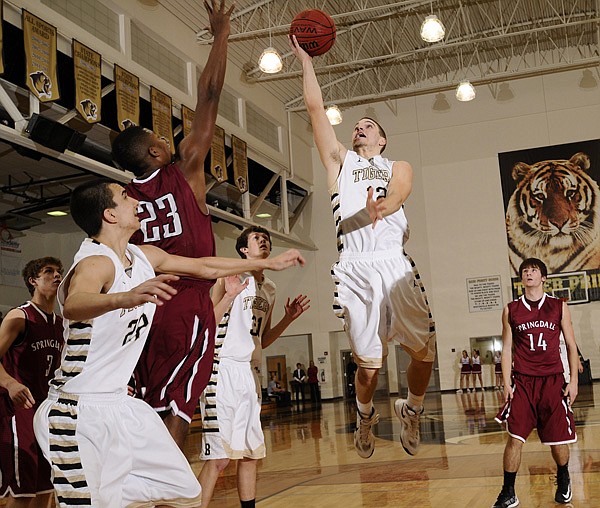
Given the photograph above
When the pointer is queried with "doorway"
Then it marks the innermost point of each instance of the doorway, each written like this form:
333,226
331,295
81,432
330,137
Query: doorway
277,365
347,359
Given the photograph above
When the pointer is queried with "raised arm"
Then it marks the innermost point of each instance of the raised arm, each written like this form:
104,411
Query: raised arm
224,292
195,146
215,267
398,190
331,151
507,341
86,290
566,327
293,310
12,327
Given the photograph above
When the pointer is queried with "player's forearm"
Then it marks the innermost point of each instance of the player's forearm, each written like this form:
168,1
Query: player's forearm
271,335
84,306
222,307
5,378
212,78
313,97
506,367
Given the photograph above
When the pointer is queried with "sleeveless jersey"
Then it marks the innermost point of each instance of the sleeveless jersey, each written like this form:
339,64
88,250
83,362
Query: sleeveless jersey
170,217
348,197
35,355
101,353
536,336
476,360
465,361
244,323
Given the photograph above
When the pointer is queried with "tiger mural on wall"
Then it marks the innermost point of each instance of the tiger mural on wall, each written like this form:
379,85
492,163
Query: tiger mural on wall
554,215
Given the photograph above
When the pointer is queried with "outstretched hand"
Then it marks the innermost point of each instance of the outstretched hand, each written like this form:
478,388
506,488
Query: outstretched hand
297,306
218,18
154,290
289,258
298,51
374,207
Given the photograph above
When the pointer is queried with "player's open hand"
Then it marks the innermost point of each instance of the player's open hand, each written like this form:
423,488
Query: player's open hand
217,16
155,290
289,258
234,286
297,306
297,50
20,395
374,207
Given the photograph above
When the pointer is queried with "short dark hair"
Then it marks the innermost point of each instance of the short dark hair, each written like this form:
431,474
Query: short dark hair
380,128
88,202
130,148
242,241
34,267
533,263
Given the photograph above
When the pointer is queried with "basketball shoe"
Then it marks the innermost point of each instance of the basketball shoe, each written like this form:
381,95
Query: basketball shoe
364,440
563,489
507,498
409,426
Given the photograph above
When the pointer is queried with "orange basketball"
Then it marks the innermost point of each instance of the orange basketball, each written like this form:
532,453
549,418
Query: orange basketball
314,31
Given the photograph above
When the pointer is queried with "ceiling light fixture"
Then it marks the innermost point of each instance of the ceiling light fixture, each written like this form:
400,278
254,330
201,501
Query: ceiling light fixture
588,81
270,61
465,91
263,215
334,115
57,213
432,29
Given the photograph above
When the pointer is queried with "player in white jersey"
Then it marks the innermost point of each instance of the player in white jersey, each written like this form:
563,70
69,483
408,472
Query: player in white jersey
379,292
230,404
107,449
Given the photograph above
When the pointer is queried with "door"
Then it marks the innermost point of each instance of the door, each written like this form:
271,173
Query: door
277,365
402,361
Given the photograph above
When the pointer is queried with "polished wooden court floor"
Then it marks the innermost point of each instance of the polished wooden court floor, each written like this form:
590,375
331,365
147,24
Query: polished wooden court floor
311,460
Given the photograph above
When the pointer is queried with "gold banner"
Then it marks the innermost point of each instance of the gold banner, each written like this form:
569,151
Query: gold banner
127,90
162,109
240,164
218,162
187,117
40,55
88,82
1,44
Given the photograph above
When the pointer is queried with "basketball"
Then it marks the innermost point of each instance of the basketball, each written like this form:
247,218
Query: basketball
314,31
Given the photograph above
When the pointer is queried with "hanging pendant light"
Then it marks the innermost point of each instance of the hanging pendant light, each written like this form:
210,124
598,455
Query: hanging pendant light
334,115
465,91
432,29
270,61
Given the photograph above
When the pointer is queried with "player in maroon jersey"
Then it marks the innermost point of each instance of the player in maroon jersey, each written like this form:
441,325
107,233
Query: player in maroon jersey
31,341
175,367
537,396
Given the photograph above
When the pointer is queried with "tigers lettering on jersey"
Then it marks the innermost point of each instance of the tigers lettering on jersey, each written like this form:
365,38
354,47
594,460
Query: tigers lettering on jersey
371,173
256,303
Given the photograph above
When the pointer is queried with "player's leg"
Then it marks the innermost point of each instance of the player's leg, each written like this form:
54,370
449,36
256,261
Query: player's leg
246,482
410,409
178,428
561,454
511,462
208,477
365,385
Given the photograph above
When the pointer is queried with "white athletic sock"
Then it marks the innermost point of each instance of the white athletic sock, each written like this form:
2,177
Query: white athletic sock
415,402
364,409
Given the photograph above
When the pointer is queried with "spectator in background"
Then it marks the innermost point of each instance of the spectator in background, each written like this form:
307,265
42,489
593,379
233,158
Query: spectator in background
313,382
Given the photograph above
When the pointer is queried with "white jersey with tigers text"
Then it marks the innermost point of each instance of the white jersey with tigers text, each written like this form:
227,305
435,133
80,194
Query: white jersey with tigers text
348,198
244,323
101,353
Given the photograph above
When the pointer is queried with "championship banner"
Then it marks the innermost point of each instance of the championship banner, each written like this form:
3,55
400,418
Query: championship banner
551,197
218,162
240,163
87,64
187,117
1,44
127,90
40,57
162,109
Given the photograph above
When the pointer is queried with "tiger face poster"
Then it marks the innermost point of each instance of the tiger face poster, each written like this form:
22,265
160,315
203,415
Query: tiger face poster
552,212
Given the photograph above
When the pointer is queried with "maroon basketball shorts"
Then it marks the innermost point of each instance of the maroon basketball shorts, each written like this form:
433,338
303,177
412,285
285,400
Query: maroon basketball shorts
538,402
25,471
176,363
